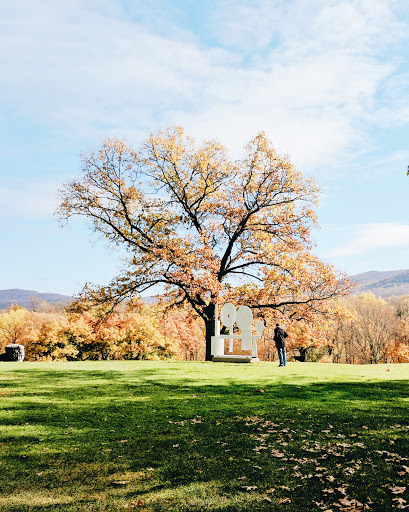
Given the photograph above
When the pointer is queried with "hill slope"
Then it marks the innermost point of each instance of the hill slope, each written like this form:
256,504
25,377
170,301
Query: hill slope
381,283
26,298
384,284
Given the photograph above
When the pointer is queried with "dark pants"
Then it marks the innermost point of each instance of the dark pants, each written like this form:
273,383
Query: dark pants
282,356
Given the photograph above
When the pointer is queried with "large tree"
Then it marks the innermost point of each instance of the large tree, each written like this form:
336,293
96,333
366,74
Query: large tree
206,227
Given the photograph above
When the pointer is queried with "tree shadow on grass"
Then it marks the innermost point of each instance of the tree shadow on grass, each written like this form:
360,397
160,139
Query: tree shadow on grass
82,432
73,401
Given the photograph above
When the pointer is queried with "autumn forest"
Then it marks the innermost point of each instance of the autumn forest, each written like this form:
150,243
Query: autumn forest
372,330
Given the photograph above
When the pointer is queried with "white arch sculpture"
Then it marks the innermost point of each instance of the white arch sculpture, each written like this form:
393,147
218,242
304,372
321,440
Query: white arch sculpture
243,317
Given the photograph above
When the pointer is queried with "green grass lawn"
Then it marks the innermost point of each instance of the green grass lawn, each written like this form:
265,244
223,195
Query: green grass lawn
175,436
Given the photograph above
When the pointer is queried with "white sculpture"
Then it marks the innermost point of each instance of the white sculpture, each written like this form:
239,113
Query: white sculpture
243,317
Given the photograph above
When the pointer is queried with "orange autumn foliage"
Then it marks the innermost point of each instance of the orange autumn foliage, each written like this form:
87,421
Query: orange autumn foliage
84,335
398,350
185,327
205,227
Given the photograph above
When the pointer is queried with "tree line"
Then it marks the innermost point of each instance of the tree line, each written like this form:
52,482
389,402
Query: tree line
78,333
363,329
377,331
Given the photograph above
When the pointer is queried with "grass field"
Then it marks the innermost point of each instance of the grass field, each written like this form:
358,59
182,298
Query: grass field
175,436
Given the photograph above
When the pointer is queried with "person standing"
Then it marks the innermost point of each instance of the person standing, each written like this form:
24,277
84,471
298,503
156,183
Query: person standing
279,338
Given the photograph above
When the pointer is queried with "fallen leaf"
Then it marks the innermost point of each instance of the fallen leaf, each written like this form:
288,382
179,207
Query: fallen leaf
276,453
120,483
248,488
342,490
134,504
352,504
397,490
284,500
401,503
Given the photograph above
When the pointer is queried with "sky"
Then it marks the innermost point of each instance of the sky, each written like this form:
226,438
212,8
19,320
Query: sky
327,80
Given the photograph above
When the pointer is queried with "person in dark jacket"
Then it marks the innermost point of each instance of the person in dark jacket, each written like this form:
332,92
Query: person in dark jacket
279,338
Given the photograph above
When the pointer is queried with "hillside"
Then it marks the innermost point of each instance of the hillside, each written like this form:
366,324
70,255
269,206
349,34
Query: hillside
27,298
384,284
381,283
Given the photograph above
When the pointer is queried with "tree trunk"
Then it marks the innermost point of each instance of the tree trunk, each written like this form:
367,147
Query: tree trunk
209,328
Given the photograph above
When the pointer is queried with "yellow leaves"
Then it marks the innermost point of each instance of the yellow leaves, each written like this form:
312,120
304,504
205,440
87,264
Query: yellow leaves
12,326
203,225
369,297
81,335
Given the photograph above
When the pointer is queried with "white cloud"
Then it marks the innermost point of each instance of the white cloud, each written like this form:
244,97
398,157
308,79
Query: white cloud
306,72
367,238
319,76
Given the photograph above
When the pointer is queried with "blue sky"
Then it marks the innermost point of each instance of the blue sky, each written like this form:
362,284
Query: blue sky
328,80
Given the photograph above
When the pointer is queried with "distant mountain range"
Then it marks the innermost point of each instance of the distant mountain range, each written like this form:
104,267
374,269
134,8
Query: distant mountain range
383,284
30,299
